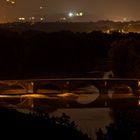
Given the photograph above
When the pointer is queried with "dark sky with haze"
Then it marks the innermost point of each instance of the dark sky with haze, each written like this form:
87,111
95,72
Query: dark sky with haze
92,9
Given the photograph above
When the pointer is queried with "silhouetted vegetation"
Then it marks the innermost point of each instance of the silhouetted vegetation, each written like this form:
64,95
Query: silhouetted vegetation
125,126
125,56
32,53
38,125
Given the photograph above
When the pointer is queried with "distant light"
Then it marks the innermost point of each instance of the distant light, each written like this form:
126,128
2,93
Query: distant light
81,13
67,94
71,14
63,18
108,31
41,7
32,83
77,14
124,19
12,2
21,18
41,19
32,18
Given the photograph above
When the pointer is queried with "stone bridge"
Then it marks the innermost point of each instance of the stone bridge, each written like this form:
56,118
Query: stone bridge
70,84
103,85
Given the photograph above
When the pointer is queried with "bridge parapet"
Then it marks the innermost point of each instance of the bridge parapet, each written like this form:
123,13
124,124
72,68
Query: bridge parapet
103,85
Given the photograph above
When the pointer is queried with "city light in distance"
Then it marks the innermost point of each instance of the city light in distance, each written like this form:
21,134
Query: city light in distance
40,7
75,14
21,19
41,19
32,18
11,1
71,14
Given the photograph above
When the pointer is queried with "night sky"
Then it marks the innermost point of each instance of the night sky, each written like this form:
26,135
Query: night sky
93,9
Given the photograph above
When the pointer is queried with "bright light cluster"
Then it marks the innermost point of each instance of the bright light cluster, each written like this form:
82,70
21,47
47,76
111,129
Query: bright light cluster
41,7
11,1
21,19
75,14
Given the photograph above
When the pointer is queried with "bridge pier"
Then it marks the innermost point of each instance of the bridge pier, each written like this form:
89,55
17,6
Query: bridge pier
103,98
135,87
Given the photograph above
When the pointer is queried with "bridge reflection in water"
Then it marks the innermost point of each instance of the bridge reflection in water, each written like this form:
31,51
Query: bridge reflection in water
69,93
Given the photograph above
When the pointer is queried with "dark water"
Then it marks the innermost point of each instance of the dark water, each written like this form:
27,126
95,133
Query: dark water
88,120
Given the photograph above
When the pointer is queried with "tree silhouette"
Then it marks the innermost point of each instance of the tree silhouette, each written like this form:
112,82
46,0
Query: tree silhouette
125,56
38,125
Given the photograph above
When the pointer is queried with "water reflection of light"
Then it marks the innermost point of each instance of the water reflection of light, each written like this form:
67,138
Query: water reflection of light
10,96
64,95
14,91
82,98
120,92
34,96
117,95
67,95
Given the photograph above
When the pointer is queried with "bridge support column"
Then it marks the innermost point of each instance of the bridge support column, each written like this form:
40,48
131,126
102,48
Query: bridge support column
30,87
103,99
135,87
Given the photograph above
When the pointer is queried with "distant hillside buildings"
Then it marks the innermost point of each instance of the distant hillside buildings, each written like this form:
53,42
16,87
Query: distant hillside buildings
104,26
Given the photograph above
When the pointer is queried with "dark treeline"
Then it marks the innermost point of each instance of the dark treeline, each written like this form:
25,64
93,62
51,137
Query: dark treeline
34,53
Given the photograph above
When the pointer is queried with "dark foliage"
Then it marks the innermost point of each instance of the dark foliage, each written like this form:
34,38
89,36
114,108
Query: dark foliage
125,56
125,126
32,53
37,126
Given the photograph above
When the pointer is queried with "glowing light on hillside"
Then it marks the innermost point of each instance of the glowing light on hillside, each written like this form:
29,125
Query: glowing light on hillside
40,7
21,19
11,1
75,14
32,18
41,19
71,14
81,14
124,19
